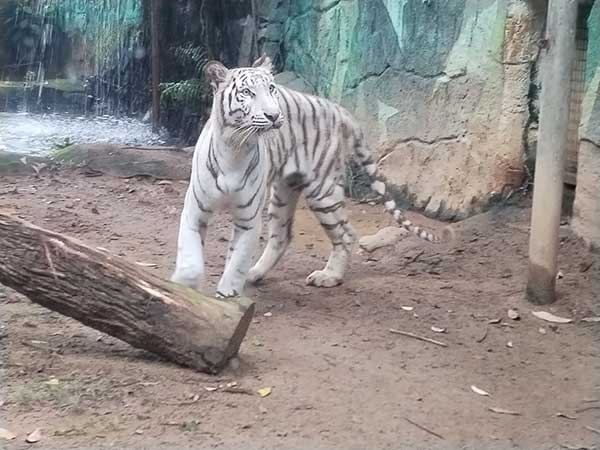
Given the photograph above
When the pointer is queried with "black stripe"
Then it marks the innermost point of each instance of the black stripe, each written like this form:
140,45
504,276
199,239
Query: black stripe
333,226
251,200
251,167
276,201
328,209
222,103
292,135
211,168
324,177
199,202
229,97
253,216
242,227
304,136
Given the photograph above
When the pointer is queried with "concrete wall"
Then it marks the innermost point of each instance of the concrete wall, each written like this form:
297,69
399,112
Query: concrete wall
586,210
440,86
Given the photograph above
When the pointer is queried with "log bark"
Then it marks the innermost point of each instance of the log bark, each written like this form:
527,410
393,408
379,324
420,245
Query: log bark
110,295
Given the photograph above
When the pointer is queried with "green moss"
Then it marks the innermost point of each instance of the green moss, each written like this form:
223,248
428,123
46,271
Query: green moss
63,85
593,52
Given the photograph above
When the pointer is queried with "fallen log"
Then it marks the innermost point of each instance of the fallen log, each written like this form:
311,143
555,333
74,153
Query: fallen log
110,295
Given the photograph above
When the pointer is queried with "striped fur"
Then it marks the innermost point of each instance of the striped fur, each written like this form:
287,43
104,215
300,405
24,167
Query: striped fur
261,137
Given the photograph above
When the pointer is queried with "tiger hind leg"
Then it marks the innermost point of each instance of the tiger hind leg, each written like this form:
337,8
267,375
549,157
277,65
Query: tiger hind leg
329,207
281,216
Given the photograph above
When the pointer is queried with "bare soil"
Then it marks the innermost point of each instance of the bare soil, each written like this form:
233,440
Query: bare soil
338,377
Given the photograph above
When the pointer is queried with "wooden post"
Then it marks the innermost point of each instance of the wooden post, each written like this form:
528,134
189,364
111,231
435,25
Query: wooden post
557,67
155,38
106,293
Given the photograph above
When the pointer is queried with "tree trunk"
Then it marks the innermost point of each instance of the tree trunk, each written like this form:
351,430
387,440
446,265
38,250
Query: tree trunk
155,57
106,293
553,136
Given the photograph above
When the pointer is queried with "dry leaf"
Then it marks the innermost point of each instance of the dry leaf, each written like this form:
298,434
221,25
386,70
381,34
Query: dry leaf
38,167
164,182
437,329
548,317
513,314
268,314
504,411
591,319
144,264
210,388
34,436
7,435
407,308
264,392
479,391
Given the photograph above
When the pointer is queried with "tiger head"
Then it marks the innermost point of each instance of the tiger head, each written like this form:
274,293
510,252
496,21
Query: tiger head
245,99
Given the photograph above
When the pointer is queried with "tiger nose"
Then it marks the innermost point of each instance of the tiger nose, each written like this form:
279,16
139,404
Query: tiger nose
272,117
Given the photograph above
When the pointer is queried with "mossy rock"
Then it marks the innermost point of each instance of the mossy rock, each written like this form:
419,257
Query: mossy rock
18,164
126,162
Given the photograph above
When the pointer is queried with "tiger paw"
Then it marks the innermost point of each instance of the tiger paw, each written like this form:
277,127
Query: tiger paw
323,278
255,276
227,294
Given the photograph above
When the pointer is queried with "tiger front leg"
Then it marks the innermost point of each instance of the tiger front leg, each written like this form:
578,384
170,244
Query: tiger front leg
189,266
281,216
244,245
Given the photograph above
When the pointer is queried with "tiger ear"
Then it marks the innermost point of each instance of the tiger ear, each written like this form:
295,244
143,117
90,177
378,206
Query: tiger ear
264,62
216,73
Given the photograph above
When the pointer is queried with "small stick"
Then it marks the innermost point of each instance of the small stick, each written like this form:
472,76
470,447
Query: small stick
421,427
587,408
420,338
595,430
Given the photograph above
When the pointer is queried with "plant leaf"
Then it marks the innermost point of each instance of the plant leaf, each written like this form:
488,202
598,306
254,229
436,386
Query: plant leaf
34,436
591,319
548,317
504,411
264,392
6,434
479,391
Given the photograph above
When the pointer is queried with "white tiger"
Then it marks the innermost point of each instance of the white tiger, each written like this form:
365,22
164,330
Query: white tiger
260,136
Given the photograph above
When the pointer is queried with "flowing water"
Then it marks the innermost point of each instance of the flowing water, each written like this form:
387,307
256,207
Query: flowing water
41,133
96,45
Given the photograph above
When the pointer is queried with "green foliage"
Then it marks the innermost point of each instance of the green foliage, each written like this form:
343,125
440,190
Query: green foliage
190,56
187,92
182,93
22,24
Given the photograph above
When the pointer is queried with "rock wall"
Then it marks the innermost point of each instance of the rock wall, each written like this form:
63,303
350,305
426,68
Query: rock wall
586,210
441,87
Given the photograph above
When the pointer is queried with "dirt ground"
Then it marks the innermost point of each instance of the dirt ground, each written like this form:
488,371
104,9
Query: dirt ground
339,378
